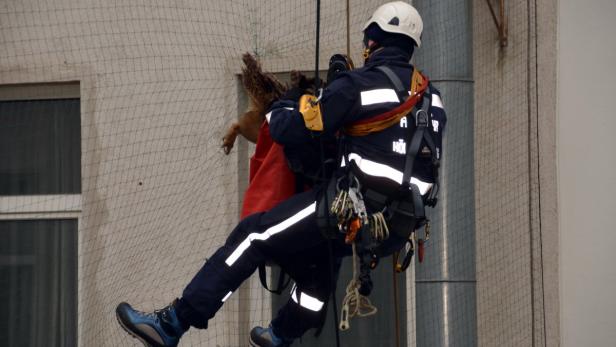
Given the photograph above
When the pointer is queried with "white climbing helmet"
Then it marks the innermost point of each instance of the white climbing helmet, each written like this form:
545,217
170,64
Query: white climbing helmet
400,18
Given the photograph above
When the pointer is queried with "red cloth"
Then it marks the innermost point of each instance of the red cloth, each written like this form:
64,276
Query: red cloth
271,180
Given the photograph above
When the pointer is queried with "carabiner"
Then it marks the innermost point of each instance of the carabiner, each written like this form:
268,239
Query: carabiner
318,99
408,256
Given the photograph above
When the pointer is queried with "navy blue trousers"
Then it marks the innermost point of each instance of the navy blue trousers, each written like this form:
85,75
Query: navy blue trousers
286,235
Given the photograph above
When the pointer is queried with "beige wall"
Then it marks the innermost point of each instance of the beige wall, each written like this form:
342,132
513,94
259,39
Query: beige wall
587,171
157,89
515,191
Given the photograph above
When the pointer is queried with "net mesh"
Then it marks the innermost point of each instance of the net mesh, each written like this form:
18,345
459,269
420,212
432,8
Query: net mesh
159,86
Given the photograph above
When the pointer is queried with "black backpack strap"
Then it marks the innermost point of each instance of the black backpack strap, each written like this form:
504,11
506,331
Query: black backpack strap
402,92
431,199
422,136
281,281
412,149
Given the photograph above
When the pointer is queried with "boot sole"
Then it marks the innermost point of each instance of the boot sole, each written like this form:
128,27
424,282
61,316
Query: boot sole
252,343
141,339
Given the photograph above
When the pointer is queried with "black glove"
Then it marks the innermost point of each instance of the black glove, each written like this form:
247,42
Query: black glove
338,64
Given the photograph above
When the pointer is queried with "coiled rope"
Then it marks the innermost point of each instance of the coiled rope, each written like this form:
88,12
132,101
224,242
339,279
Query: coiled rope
354,304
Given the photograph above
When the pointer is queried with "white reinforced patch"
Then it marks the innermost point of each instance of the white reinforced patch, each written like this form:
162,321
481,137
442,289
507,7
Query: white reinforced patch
271,231
307,301
436,101
378,96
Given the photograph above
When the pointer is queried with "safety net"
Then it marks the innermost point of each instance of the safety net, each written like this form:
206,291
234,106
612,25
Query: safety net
114,186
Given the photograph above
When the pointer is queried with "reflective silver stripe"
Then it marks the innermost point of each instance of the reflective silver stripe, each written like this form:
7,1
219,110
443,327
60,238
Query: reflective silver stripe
436,101
271,231
373,168
269,114
306,301
227,296
378,96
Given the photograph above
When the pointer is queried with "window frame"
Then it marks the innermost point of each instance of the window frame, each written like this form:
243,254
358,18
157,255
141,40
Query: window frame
48,206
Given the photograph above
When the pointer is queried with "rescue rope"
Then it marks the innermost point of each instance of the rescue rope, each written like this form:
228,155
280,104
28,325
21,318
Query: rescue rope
396,313
317,82
329,242
379,228
348,30
354,304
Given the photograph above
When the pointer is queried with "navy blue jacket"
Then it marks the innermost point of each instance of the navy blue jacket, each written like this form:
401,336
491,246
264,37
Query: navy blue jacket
361,94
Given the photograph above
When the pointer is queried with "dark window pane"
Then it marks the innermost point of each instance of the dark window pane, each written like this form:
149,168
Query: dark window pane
40,147
38,283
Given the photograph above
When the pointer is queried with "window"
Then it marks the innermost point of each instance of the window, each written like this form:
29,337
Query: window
40,203
38,282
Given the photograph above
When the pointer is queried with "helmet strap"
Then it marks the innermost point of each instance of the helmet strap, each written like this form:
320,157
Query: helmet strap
368,51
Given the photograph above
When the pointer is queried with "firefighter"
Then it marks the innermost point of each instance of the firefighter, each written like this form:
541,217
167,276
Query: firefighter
389,122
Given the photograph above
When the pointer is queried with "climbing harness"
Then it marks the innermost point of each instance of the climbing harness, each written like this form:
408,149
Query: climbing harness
401,213
282,283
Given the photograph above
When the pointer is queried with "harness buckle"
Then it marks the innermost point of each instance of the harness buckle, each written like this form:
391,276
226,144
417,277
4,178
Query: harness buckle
421,118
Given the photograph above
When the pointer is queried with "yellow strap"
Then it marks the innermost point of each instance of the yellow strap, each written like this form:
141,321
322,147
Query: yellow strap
368,128
417,80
